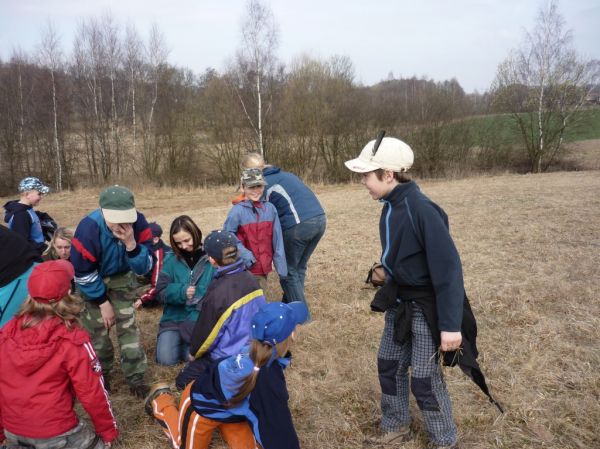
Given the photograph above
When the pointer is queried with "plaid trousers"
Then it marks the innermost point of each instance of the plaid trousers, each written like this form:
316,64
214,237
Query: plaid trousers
426,380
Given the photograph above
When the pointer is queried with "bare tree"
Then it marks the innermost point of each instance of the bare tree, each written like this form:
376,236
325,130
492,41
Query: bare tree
134,49
112,52
157,53
256,60
543,84
51,57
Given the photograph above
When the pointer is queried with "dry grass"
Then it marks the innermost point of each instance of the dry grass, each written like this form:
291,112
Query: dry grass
530,246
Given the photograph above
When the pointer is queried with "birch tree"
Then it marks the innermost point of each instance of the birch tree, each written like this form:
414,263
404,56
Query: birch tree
134,49
51,58
256,59
543,84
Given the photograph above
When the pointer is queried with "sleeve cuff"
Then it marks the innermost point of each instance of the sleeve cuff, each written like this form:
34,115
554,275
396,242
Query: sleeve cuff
131,254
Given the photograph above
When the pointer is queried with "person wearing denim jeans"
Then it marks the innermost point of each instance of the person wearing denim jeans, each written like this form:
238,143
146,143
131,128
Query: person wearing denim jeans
303,223
171,348
300,242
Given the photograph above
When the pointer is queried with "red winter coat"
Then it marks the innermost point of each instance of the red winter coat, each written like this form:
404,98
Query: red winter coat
42,370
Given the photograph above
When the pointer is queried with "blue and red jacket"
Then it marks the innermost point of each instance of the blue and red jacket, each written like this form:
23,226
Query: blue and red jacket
257,227
96,253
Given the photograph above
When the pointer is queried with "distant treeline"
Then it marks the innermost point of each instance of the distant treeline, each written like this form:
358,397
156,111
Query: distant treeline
116,110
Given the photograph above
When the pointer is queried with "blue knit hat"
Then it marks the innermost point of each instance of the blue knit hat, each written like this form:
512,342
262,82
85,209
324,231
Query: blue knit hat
275,321
156,229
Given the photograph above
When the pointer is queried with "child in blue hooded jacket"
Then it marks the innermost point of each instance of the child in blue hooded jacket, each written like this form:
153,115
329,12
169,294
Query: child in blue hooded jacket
245,388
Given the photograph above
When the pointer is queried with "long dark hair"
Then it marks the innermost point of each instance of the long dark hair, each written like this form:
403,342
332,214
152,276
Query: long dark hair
185,223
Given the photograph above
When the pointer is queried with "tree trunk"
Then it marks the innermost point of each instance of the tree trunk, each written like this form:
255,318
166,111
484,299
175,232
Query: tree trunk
56,146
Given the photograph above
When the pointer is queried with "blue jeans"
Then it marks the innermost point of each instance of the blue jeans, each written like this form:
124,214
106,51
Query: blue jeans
300,242
170,348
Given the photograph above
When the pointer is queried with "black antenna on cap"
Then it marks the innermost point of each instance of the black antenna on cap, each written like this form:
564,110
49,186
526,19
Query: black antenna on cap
378,141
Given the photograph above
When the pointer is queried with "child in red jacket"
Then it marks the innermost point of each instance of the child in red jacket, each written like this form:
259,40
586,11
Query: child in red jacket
46,360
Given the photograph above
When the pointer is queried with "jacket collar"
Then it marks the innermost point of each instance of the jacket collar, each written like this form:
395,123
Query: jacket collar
271,170
400,192
233,268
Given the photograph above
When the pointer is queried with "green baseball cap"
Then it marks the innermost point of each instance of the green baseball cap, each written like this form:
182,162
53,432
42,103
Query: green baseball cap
118,205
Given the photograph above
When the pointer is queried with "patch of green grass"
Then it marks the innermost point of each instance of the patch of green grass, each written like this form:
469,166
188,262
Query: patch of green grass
586,125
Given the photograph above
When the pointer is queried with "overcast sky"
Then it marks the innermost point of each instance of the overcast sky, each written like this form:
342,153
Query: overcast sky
440,39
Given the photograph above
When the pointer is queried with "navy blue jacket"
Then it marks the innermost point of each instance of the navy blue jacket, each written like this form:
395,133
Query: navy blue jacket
294,201
22,219
418,250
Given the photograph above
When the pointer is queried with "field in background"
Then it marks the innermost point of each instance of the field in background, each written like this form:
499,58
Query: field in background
587,127
530,245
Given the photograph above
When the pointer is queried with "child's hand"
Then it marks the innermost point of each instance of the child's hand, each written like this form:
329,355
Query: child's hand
190,292
450,340
137,304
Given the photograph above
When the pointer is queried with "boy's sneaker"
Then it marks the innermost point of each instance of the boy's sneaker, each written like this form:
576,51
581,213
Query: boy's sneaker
393,439
155,391
138,386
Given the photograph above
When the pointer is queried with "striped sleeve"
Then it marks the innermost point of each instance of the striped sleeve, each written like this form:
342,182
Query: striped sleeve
85,373
85,253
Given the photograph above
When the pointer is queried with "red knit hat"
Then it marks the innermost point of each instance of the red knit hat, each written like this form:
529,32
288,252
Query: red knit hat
50,281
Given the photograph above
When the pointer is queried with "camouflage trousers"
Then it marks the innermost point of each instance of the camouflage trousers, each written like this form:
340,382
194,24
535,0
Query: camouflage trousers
80,437
121,294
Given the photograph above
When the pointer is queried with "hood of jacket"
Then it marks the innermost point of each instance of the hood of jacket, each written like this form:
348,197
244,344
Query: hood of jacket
12,207
29,349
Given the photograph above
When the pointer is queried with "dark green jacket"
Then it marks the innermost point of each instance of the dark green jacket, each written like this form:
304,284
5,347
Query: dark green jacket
173,280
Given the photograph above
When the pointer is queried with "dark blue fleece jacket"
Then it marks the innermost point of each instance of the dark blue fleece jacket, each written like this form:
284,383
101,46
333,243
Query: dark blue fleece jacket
418,250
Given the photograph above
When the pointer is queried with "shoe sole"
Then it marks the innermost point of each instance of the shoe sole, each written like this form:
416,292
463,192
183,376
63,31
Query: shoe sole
154,389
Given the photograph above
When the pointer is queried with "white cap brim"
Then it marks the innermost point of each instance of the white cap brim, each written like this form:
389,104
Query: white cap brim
360,166
120,216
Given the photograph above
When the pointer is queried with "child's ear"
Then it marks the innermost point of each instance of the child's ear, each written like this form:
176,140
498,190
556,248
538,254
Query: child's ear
213,262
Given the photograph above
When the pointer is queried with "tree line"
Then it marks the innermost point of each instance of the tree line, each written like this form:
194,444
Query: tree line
115,109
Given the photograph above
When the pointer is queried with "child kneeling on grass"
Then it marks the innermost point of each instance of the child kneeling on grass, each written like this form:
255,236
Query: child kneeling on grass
46,361
244,395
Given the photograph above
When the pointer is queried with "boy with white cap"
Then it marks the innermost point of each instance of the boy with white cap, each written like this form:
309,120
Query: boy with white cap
424,271
112,245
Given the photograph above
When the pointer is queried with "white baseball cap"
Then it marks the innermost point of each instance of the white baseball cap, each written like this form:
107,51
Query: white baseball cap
392,154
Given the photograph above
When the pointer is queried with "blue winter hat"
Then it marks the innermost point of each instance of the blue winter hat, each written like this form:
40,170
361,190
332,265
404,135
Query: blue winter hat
155,229
275,321
31,183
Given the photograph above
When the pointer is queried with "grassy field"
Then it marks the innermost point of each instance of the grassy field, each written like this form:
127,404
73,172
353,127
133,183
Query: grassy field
587,126
530,246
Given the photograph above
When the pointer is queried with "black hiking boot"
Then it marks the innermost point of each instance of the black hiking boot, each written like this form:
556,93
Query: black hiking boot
138,386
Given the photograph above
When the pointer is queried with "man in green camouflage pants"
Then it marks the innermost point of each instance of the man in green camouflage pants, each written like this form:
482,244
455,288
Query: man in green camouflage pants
112,245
